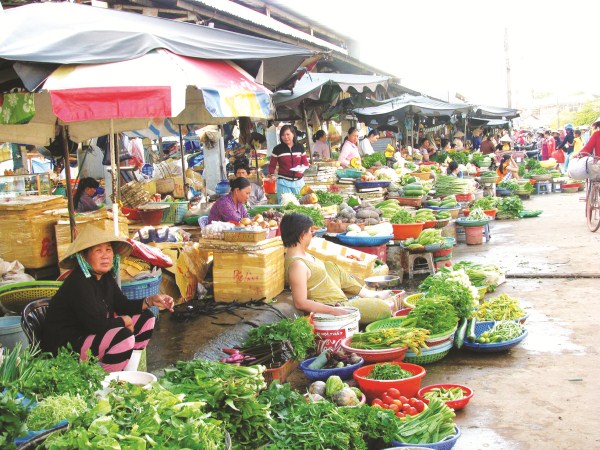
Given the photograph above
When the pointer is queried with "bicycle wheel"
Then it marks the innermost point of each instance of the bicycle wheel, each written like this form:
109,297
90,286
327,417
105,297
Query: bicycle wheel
592,207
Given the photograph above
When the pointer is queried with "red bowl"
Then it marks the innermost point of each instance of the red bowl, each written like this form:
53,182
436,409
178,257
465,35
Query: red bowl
131,214
569,185
454,404
375,356
374,388
402,312
429,224
407,230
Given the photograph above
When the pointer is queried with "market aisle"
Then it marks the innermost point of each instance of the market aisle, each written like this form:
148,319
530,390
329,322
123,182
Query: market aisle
539,395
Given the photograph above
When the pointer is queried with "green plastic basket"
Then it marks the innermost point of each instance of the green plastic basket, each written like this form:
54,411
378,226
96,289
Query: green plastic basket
428,356
392,322
15,296
349,173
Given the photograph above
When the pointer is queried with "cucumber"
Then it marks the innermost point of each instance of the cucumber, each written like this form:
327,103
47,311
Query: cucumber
459,338
433,203
319,361
409,241
471,330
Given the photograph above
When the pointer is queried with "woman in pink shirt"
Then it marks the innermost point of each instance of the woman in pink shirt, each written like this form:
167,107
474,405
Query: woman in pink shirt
349,149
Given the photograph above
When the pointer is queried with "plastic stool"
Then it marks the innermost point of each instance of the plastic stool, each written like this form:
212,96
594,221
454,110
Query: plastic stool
543,187
426,267
556,187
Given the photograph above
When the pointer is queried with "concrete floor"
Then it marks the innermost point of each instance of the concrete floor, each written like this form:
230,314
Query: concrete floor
540,395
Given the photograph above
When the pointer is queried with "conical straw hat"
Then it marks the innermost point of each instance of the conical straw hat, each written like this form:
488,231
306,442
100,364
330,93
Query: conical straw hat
89,236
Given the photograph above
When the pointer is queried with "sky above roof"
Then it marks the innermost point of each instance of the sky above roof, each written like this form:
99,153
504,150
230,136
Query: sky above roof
447,47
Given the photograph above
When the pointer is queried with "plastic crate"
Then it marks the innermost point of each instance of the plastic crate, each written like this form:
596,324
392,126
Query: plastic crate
175,212
136,290
322,374
280,373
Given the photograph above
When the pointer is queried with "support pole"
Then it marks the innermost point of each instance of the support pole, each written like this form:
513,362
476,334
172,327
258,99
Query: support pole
182,151
308,135
70,205
115,175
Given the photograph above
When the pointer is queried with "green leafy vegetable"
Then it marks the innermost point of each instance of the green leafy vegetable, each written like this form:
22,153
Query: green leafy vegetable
329,198
402,216
435,314
313,213
485,203
370,160
511,206
459,157
462,298
432,425
12,419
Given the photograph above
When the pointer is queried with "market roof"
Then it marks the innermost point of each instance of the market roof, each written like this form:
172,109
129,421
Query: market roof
68,33
314,86
493,112
397,107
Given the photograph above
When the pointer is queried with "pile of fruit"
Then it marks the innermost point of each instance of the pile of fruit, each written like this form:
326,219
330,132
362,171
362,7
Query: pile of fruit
426,237
258,222
425,215
402,406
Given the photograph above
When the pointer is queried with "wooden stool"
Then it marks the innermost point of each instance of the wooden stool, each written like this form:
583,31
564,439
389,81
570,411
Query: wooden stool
543,187
423,267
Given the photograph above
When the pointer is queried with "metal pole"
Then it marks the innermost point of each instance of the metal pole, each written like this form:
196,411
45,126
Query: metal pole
307,133
115,175
182,150
70,206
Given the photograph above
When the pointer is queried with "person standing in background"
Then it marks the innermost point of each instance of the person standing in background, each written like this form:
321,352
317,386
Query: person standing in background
320,148
86,189
567,144
288,155
487,146
458,143
349,148
366,145
577,142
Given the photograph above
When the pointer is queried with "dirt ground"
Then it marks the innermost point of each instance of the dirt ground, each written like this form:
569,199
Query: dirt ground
540,395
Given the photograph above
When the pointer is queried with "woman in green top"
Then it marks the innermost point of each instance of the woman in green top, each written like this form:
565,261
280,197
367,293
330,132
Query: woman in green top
316,286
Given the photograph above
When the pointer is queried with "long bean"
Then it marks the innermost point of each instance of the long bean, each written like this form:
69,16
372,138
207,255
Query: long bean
501,331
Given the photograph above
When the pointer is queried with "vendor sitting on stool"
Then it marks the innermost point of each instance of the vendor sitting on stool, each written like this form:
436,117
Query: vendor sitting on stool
230,207
317,286
90,313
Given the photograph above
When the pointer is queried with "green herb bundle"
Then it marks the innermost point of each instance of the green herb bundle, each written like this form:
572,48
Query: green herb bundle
314,213
435,314
459,157
63,374
54,409
459,295
387,371
485,203
432,425
511,206
370,160
298,332
402,216
230,393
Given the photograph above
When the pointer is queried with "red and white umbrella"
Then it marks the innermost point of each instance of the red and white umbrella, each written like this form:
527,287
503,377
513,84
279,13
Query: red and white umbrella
159,84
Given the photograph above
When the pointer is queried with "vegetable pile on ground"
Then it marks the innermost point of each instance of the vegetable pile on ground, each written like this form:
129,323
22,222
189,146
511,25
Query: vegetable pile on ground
485,203
336,391
510,207
432,425
447,185
454,285
413,338
502,307
488,275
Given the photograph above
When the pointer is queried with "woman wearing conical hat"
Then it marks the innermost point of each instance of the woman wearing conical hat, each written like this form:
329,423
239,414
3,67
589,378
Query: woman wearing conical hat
90,313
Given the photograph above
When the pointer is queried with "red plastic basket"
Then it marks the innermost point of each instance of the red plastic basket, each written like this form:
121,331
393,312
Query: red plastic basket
280,373
407,230
454,404
374,388
464,197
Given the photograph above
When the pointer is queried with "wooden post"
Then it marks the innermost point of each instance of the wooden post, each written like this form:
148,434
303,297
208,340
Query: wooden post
70,206
182,151
308,144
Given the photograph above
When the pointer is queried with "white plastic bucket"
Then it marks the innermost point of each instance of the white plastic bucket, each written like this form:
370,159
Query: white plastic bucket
332,330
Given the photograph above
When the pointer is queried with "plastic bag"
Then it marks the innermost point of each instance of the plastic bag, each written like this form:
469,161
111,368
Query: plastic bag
150,254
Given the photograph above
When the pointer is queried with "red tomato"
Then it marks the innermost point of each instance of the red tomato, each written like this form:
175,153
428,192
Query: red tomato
376,405
419,406
406,407
400,414
376,401
393,392
412,411
384,406
411,401
394,407
387,399
399,403
403,399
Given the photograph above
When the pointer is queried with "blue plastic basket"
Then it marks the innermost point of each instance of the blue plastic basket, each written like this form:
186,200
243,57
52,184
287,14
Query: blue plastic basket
137,290
492,347
320,233
349,173
364,241
446,444
147,169
322,374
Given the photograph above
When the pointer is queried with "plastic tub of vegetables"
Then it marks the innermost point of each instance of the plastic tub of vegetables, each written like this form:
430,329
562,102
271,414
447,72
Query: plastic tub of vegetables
492,337
330,363
455,396
375,379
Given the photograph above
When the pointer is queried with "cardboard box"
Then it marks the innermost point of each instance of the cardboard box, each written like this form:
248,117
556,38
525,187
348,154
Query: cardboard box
357,263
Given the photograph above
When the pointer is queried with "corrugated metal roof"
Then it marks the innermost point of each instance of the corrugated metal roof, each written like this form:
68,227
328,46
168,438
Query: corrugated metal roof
249,15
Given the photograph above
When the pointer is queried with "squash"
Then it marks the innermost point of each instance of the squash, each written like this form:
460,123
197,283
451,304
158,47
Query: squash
371,309
355,162
306,189
309,199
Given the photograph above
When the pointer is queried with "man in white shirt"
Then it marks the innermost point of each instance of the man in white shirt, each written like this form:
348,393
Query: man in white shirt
257,194
366,145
